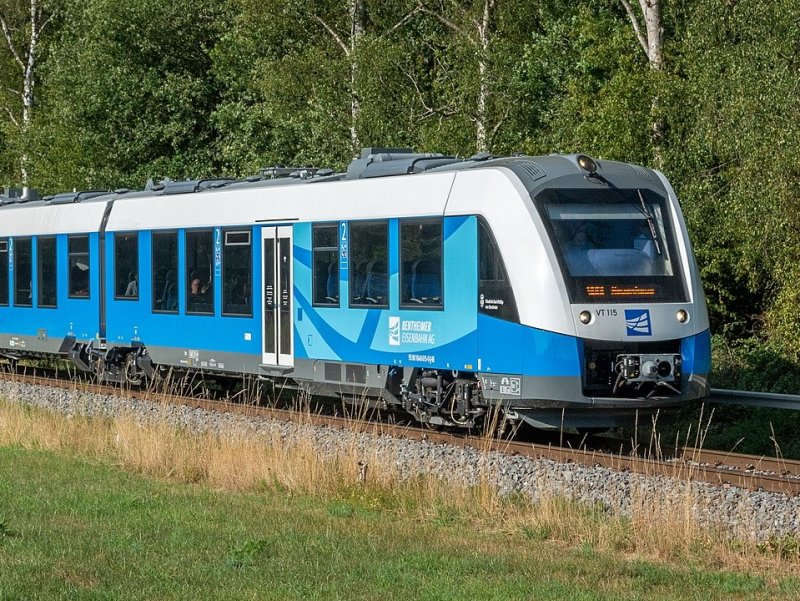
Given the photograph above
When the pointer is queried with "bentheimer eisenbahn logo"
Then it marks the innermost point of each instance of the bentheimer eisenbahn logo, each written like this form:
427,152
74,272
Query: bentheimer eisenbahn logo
394,331
637,322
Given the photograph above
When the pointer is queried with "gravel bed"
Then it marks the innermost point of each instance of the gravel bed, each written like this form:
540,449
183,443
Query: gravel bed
742,514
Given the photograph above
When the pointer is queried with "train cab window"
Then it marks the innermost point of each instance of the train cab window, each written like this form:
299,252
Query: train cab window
46,262
613,244
165,272
78,247
237,287
495,296
326,265
23,273
369,264
421,264
199,272
126,266
3,273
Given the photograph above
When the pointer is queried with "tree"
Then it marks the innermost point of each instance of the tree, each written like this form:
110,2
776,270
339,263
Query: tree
652,38
310,82
130,94
23,24
477,28
349,41
738,124
468,83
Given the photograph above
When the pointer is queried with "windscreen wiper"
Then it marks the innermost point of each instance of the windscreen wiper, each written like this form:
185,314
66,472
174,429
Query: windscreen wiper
651,223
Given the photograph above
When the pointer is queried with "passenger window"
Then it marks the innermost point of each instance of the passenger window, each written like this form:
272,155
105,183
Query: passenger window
199,272
421,264
495,296
46,259
369,264
23,270
126,266
78,266
4,273
237,289
326,265
165,272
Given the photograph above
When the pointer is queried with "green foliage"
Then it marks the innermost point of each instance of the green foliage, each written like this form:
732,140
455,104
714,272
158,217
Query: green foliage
756,366
736,164
785,547
6,531
129,94
247,553
600,90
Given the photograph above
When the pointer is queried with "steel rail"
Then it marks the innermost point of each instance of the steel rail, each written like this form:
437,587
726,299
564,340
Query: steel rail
700,465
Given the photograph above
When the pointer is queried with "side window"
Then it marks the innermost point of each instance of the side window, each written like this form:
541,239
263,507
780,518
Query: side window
421,264
369,264
165,272
199,272
237,287
4,272
46,259
78,247
23,273
326,264
495,296
126,266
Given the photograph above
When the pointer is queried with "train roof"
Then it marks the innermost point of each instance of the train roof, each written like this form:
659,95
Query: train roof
84,210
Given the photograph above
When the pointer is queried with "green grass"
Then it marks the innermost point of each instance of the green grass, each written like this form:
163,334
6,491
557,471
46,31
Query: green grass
75,529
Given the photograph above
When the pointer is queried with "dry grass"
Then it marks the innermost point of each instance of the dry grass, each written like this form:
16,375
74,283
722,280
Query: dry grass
661,527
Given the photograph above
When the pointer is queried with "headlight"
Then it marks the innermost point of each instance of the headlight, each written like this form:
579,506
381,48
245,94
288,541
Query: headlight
586,163
682,316
585,317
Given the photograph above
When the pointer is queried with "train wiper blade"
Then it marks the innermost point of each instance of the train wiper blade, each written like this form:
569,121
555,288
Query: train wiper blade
651,223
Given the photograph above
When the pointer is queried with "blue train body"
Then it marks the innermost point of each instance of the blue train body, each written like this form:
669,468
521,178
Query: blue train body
560,287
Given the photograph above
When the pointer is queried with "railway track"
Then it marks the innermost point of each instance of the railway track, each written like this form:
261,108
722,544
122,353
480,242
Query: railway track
701,465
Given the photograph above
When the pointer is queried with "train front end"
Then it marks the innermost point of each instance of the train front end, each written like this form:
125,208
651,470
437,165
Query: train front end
632,297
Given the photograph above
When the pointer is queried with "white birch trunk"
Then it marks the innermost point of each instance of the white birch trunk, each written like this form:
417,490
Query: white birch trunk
27,66
651,9
652,42
358,26
652,38
484,39
480,38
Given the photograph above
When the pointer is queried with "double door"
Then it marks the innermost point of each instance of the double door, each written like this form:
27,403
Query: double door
277,298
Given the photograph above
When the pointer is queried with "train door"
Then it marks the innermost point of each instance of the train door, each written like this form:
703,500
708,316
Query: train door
277,297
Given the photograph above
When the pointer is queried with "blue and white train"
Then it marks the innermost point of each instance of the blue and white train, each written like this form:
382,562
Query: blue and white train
562,289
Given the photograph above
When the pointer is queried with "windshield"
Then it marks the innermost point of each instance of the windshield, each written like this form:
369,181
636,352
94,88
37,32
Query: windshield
613,243
617,241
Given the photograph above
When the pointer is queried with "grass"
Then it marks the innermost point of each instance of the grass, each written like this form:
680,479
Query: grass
84,530
99,509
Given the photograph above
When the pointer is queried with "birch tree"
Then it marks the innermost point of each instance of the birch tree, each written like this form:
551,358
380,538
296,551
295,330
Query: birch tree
314,81
23,24
651,36
348,41
129,94
477,28
649,30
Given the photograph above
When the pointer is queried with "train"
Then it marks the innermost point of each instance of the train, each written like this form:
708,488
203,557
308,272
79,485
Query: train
561,290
